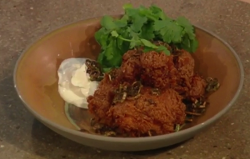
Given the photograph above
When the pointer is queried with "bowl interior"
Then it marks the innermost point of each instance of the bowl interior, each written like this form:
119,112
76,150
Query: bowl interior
36,71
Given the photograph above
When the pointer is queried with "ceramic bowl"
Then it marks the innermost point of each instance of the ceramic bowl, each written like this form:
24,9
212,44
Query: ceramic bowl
35,79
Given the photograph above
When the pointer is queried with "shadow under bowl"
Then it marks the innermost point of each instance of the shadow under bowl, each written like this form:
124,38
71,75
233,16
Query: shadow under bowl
35,79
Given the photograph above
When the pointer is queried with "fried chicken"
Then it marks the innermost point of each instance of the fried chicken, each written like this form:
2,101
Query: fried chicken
147,114
158,70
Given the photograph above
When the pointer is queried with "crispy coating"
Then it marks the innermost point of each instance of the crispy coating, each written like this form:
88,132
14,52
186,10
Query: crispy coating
197,89
184,63
158,70
130,67
100,102
190,85
149,114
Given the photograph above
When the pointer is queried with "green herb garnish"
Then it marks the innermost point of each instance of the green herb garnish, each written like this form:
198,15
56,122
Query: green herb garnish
179,127
139,27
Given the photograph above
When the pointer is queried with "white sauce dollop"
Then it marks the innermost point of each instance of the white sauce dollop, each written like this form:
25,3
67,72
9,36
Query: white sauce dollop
74,85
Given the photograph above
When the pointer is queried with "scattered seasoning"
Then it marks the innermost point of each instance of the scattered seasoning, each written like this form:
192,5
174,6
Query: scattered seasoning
198,107
95,125
155,91
212,84
120,94
94,70
195,109
188,120
134,90
127,92
110,77
101,129
149,133
178,127
192,113
110,133
112,74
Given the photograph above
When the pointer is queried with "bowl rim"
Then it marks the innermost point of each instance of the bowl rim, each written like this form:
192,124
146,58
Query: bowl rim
128,139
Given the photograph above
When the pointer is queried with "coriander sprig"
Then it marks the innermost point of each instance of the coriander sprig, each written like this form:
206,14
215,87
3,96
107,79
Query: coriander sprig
139,27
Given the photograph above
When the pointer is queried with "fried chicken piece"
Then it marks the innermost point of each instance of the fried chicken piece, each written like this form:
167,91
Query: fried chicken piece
184,63
131,54
198,86
131,66
148,115
100,102
158,70
191,86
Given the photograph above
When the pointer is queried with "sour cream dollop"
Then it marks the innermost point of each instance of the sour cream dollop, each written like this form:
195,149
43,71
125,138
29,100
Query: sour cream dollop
74,85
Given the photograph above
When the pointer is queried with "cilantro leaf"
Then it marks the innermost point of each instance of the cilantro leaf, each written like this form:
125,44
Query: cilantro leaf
147,49
188,28
110,50
100,58
121,23
185,43
153,13
136,18
108,22
135,42
159,49
194,45
147,31
163,49
102,37
169,31
160,24
112,55
189,45
107,69
148,44
114,33
139,27
157,12
121,44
